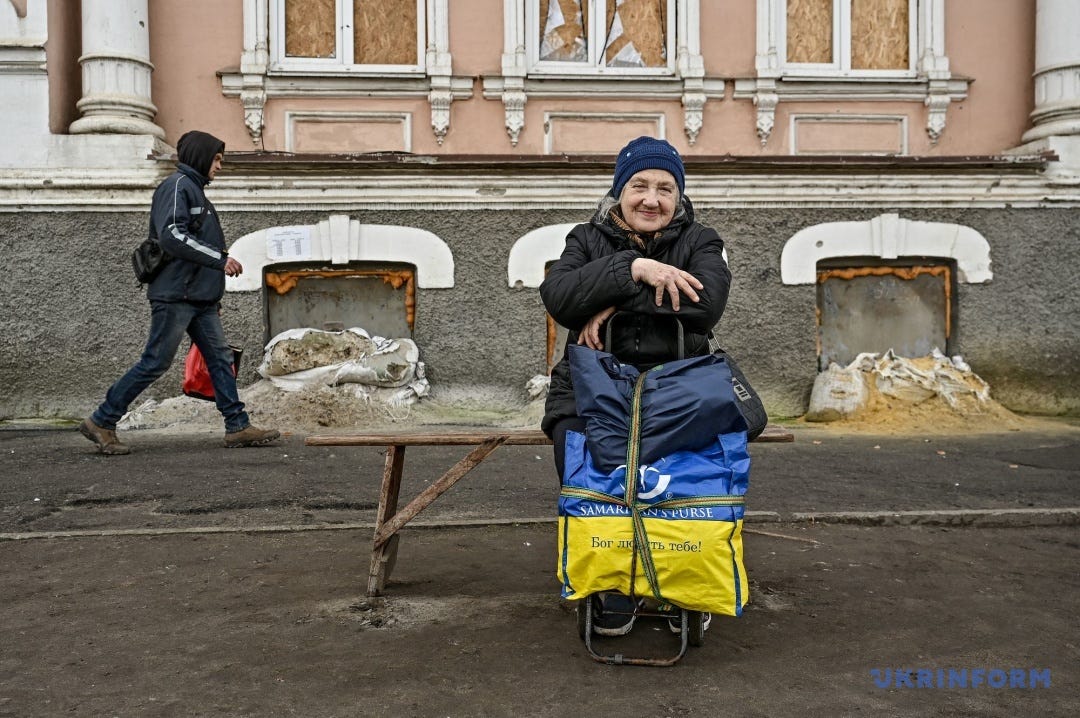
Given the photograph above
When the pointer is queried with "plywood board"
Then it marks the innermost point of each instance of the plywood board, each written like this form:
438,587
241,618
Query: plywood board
879,34
563,30
643,29
810,31
310,28
384,32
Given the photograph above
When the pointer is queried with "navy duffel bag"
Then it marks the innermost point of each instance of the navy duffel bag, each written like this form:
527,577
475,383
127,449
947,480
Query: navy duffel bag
685,404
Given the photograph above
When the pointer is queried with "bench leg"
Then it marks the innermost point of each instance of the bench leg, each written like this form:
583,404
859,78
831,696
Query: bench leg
390,526
383,553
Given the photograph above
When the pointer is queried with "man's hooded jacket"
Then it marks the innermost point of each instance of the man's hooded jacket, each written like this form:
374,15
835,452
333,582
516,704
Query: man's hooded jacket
187,227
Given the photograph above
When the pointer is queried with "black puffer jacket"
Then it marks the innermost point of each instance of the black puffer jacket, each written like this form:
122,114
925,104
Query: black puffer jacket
593,274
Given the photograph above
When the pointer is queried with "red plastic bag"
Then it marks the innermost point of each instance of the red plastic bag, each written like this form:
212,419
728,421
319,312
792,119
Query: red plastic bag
197,377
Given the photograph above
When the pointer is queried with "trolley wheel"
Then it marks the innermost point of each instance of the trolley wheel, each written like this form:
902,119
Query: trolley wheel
583,607
695,628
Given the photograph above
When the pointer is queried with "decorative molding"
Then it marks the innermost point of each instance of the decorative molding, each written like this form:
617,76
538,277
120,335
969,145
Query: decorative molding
765,101
254,61
514,108
404,119
125,189
532,252
693,115
341,240
440,100
691,68
888,237
658,118
685,82
257,80
931,82
899,121
936,103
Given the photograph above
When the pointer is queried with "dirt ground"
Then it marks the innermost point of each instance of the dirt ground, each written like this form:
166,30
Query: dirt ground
269,618
260,625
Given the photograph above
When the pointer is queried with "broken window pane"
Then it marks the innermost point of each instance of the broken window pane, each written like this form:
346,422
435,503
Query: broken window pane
384,32
563,30
879,34
810,31
310,28
636,33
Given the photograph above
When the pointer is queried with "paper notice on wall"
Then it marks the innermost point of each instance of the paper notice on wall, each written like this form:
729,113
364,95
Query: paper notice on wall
288,243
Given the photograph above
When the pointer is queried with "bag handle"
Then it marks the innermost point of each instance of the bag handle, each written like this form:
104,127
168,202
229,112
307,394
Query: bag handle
641,537
679,332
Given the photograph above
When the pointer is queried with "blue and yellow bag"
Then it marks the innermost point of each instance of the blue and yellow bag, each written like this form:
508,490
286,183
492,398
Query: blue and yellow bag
666,525
674,534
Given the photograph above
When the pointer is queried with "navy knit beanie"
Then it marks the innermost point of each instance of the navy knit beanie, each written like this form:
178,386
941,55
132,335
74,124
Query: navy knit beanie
647,153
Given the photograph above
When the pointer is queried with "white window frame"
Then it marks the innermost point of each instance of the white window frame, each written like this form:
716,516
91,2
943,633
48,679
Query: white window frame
281,64
596,40
841,43
929,80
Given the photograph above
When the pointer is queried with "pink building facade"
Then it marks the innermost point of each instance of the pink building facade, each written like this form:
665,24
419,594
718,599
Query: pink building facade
458,140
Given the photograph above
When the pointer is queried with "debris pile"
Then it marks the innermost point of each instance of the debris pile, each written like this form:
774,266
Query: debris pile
300,359
313,378
887,391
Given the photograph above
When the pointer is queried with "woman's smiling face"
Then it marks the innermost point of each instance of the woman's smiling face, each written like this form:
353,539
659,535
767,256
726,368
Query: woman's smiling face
648,200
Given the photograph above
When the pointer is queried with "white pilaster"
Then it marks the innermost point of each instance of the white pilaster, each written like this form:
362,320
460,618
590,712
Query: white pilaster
439,67
253,64
116,70
691,67
513,68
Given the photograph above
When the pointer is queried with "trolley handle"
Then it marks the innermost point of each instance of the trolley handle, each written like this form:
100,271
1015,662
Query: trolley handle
680,334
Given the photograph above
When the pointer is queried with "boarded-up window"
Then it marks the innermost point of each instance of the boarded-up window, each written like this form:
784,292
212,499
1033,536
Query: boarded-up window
384,32
810,31
603,33
879,34
849,34
334,33
636,34
563,31
310,28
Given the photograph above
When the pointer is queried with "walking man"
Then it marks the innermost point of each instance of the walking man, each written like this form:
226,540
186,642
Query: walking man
184,297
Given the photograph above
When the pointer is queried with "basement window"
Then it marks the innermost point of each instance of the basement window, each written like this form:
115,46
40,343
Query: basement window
870,306
381,299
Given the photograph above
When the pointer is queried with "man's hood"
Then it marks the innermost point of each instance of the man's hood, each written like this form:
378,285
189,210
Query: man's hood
197,149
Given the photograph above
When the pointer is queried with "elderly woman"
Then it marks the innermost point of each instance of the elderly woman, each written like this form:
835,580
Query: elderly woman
643,254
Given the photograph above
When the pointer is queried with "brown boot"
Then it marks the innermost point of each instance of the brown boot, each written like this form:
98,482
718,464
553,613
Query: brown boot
250,436
106,440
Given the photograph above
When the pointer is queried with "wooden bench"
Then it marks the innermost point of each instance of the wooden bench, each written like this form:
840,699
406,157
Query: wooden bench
389,520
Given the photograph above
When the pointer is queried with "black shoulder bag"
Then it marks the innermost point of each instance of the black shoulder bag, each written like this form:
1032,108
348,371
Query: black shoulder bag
148,260
750,405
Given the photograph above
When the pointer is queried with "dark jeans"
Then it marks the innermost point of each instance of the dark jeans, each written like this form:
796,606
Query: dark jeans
168,323
558,438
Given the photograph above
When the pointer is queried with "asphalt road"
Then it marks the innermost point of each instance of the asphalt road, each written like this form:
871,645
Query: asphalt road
202,612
